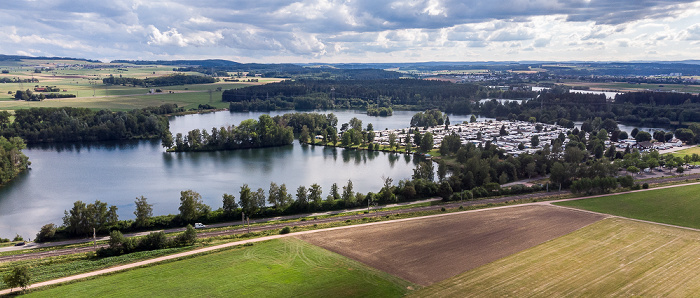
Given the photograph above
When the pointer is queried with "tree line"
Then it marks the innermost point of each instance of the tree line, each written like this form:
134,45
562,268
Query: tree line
412,94
169,80
250,133
28,95
46,125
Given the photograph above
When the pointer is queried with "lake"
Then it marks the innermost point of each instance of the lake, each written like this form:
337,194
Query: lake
118,172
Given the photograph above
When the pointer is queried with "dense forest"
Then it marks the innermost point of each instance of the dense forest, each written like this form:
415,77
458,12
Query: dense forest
12,160
170,80
251,133
45,125
552,106
324,94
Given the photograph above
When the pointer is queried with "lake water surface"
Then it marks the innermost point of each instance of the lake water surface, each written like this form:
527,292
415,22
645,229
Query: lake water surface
118,172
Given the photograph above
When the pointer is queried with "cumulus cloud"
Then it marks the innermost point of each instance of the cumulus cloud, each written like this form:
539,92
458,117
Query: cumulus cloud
312,29
691,33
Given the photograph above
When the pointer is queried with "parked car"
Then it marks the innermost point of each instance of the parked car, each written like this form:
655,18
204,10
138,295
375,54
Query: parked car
199,225
20,243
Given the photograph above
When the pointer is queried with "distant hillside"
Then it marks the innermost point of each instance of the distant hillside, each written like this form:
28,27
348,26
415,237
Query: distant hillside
18,58
202,63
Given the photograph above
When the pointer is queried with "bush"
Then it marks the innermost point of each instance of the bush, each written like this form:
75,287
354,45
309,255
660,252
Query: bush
18,238
153,241
188,237
636,187
479,192
442,209
47,233
645,185
285,230
626,181
18,277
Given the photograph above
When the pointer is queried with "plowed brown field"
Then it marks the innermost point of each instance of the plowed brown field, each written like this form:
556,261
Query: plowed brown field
428,250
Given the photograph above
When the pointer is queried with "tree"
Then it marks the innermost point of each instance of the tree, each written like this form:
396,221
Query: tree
472,119
602,135
623,135
450,144
558,173
248,204
302,198
386,194
426,142
642,136
315,193
356,124
75,220
230,205
82,218
46,233
535,141
19,277
284,197
273,198
442,170
392,141
348,193
143,212
191,206
304,135
424,170
634,132
370,135
503,131
685,135
258,198
167,140
445,190
531,169
4,118
334,195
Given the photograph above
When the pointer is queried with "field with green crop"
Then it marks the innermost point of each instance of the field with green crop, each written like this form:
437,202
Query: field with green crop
623,86
277,268
86,84
677,206
613,257
689,151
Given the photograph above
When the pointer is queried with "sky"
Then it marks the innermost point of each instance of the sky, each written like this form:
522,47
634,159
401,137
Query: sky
353,31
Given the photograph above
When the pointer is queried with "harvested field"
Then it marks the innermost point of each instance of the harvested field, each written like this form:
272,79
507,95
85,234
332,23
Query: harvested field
612,258
425,251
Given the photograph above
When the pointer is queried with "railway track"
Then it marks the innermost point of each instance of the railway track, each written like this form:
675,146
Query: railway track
275,226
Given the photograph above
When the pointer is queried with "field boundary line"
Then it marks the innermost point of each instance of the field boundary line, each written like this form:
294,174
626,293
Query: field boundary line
226,245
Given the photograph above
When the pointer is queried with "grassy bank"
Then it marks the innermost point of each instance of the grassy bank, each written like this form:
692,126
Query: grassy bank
277,268
676,206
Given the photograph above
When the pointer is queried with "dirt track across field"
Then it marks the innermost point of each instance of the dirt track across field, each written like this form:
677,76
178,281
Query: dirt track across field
433,249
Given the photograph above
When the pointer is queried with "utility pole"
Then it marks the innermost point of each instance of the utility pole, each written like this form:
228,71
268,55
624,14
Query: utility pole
94,238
